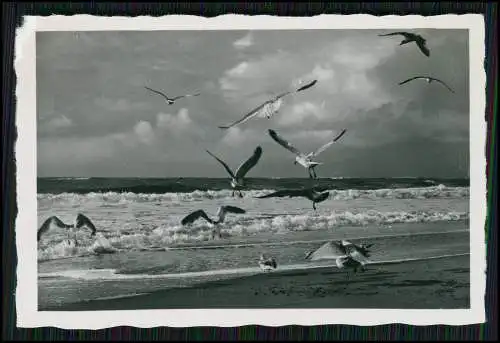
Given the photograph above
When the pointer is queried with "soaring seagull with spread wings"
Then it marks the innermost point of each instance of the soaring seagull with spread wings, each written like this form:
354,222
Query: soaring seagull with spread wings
305,160
268,108
237,179
221,216
429,79
345,253
412,37
171,101
309,193
80,222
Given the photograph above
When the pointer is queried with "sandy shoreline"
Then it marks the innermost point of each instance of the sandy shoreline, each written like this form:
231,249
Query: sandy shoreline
426,284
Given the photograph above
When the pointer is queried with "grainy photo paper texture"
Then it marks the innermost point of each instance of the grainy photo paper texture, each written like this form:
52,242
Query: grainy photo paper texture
187,171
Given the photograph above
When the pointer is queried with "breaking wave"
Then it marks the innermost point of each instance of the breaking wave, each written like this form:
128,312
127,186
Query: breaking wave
433,192
171,232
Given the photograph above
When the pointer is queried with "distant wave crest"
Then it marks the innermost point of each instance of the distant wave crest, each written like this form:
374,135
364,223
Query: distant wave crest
439,191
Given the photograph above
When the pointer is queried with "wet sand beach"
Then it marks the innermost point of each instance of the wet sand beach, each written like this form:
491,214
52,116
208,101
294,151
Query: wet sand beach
425,284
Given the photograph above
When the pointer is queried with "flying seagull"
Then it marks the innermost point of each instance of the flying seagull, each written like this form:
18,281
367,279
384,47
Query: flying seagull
268,108
309,193
345,253
80,221
267,263
428,79
303,159
50,223
237,179
221,215
171,101
411,37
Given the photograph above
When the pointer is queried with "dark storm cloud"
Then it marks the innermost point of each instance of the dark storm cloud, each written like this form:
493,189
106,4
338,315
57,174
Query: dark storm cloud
95,117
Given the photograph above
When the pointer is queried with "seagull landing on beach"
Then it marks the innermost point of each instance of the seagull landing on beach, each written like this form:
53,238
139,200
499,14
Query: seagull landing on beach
309,193
412,37
267,263
346,254
428,79
305,160
221,215
268,108
171,101
237,179
80,222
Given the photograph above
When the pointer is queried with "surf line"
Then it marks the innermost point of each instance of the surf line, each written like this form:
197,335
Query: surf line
245,245
110,274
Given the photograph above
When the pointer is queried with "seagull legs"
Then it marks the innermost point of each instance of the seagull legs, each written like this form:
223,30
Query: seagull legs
240,194
314,205
314,173
310,174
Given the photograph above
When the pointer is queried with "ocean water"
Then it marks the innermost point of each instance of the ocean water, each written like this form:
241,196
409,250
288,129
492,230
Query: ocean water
145,248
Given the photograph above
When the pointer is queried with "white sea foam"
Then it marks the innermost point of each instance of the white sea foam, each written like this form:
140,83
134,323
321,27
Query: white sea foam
438,192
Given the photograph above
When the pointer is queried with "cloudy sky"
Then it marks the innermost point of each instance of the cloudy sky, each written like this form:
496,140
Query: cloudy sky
95,118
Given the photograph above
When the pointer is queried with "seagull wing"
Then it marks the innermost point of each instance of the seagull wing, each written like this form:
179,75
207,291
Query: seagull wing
327,145
194,216
406,34
423,47
309,85
444,84
411,79
47,224
285,193
233,209
281,141
230,172
327,251
247,116
359,256
185,96
82,221
245,167
158,92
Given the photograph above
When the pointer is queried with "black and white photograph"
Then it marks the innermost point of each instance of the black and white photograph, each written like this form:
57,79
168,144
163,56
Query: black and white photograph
330,166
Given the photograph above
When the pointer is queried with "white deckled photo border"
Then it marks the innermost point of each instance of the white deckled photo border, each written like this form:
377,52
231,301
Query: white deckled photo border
28,315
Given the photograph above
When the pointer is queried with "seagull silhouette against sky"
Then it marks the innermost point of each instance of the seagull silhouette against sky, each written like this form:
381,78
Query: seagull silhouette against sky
268,108
428,79
305,160
412,37
237,179
171,101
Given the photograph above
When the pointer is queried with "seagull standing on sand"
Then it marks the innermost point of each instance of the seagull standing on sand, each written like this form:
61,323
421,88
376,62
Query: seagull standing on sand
309,193
221,216
305,160
237,179
412,37
267,263
346,254
428,79
268,108
171,101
